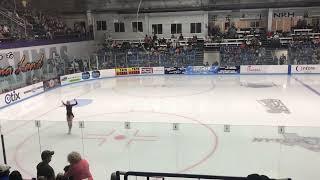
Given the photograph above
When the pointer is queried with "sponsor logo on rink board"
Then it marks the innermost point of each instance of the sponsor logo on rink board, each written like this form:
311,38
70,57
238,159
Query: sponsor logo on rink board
20,94
299,69
146,70
72,78
264,69
158,70
174,70
52,83
127,71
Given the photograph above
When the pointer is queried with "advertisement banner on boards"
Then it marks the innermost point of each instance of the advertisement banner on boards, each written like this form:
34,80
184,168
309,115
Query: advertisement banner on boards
71,78
229,70
264,69
121,71
89,75
78,77
127,71
51,83
192,70
158,70
146,70
107,73
20,94
174,70
134,70
305,69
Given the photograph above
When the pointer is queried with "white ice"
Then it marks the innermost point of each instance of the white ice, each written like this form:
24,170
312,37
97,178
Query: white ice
202,105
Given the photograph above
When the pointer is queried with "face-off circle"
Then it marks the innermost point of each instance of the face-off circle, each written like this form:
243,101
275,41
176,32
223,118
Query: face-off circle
142,140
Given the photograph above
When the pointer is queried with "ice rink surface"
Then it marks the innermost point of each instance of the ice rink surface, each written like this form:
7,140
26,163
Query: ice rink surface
201,106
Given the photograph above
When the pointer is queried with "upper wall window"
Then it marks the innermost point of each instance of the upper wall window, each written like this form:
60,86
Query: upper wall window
119,27
156,28
101,25
195,27
254,24
176,28
135,28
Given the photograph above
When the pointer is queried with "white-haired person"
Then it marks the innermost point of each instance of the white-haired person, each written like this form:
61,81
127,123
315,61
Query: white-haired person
79,168
70,115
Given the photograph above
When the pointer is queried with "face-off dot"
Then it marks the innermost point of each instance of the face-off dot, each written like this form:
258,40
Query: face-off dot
120,137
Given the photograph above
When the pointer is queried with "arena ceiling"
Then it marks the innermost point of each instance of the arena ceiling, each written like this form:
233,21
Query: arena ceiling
130,6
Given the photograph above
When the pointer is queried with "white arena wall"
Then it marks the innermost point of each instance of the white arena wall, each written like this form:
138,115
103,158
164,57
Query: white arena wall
166,19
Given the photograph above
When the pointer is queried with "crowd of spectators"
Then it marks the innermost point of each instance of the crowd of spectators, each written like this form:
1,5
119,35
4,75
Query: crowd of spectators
47,25
40,25
249,46
307,52
242,55
153,51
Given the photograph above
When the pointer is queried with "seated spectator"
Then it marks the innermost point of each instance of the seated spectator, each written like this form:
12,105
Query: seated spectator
163,41
43,168
15,175
154,38
66,169
4,172
181,37
5,29
79,168
61,176
194,39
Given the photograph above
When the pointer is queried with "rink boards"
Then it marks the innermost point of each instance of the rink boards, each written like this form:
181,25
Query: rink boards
21,94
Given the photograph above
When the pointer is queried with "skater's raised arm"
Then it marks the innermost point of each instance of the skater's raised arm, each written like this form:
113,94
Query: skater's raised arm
75,103
63,103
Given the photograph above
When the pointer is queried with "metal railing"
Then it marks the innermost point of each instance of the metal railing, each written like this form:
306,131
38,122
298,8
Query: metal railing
163,176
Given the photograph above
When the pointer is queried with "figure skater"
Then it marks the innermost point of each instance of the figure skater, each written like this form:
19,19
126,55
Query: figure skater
70,115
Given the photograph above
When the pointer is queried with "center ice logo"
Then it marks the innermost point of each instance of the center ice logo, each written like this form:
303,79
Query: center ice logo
274,106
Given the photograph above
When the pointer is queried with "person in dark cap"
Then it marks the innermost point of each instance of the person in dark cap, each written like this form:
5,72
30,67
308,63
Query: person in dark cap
43,168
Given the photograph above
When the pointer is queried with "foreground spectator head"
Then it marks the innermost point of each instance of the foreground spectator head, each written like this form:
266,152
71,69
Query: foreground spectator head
4,171
79,168
15,175
74,157
257,177
47,155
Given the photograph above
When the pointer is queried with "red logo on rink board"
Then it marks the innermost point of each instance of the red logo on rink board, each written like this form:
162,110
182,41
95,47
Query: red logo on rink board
254,69
146,70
